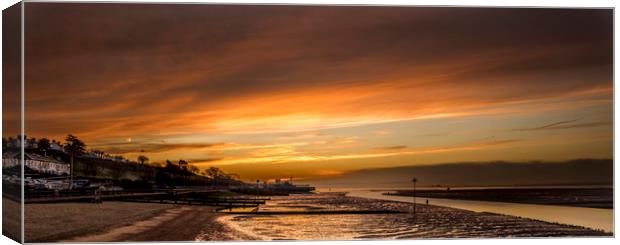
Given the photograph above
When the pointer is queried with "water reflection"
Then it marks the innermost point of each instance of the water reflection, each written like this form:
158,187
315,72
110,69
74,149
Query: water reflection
429,222
588,217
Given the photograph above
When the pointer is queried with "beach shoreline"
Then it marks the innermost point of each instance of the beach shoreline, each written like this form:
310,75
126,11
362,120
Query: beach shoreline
131,222
572,197
430,221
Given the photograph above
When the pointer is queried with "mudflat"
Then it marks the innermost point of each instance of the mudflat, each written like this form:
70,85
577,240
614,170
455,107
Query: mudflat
576,197
127,221
429,221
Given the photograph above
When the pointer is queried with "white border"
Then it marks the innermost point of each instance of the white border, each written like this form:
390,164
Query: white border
473,3
507,3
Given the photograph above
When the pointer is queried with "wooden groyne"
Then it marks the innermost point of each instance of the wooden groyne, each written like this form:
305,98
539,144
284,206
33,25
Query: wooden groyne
87,198
180,197
220,202
317,212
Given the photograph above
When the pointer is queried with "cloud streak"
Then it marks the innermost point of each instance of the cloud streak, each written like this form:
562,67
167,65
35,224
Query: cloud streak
361,68
570,124
292,158
396,147
305,85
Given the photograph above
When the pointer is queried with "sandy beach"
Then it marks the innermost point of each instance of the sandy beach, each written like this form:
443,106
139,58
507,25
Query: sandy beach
11,218
110,221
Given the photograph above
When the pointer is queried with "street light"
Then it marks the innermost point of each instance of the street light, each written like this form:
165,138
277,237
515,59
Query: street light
257,182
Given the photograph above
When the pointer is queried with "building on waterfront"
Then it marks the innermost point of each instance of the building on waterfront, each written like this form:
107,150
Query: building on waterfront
36,162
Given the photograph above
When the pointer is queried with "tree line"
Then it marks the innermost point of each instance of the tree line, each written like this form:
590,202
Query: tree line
139,172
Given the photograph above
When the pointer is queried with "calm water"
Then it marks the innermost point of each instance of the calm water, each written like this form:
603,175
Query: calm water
588,217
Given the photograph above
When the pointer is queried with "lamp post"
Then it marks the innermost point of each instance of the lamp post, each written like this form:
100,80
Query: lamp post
414,182
257,182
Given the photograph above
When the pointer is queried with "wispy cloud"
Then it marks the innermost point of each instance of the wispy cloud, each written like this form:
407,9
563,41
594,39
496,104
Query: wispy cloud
473,146
434,135
396,147
130,147
204,160
382,132
144,83
569,124
242,84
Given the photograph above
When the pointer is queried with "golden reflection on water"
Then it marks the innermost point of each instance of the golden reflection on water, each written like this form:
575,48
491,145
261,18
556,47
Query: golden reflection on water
429,222
595,218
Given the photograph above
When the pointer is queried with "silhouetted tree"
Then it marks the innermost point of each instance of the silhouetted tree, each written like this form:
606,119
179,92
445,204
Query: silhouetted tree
75,147
183,164
214,172
142,159
43,145
99,153
194,169
31,142
233,176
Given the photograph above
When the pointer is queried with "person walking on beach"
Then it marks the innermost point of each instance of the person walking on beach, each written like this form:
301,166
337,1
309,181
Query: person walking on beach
97,196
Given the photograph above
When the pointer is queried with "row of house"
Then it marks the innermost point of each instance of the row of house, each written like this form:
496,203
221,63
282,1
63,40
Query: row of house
36,162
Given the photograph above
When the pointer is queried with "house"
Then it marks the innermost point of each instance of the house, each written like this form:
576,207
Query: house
45,164
10,159
36,162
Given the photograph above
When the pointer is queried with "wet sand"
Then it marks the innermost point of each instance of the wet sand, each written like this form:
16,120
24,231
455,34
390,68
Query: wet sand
126,221
429,222
575,197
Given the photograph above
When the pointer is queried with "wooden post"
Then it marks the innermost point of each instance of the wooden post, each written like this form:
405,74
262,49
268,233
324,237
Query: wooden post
71,173
414,204
257,182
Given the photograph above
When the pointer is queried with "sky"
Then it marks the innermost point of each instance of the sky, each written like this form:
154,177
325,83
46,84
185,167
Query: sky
316,92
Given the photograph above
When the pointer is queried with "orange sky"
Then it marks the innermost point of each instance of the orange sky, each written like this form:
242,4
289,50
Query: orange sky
269,91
